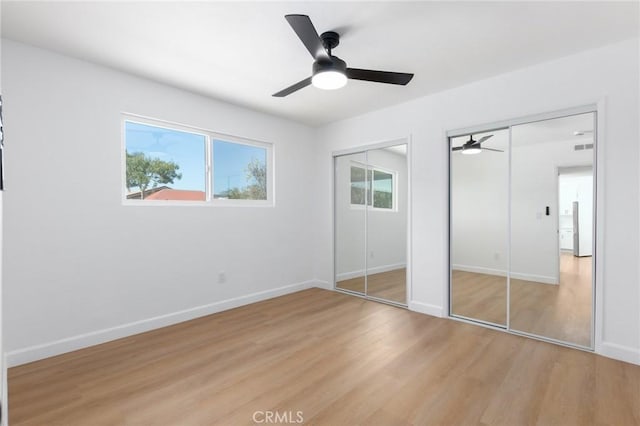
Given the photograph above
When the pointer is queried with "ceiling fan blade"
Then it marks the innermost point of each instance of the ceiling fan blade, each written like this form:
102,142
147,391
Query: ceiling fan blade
484,138
491,149
457,148
379,76
293,88
307,33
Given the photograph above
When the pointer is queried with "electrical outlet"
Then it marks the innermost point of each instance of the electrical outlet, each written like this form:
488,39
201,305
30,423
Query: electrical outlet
496,256
222,277
371,254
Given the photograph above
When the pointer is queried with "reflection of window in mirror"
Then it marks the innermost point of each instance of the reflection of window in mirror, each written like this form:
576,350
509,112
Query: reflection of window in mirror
376,184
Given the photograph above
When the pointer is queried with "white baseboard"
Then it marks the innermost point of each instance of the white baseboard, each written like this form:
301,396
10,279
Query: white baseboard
370,271
426,308
620,352
46,350
322,284
502,273
535,278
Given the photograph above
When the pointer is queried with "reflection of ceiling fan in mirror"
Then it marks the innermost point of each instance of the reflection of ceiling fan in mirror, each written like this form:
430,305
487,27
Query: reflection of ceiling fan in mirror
474,147
156,135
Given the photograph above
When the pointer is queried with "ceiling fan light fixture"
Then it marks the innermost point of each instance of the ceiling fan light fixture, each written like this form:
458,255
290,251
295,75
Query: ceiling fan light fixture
329,80
329,75
472,150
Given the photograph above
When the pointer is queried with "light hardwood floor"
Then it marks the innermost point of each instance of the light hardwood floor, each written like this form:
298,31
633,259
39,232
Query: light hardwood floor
340,360
561,311
390,285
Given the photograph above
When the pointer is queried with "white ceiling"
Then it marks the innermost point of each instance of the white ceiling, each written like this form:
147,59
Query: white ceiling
243,52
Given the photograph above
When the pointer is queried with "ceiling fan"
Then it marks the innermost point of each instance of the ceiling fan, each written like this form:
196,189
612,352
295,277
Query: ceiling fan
330,72
474,147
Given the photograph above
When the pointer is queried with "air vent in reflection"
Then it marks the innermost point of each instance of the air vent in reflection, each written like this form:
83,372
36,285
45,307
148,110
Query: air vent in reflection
582,147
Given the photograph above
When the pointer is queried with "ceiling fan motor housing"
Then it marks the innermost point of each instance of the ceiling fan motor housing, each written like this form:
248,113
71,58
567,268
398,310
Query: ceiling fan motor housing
336,64
330,39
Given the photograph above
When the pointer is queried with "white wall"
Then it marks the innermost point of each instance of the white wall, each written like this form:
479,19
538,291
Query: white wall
479,208
80,267
608,74
386,238
534,185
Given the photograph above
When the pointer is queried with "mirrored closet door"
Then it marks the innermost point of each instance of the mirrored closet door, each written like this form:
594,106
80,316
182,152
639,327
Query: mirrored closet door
552,222
370,216
350,222
522,227
479,224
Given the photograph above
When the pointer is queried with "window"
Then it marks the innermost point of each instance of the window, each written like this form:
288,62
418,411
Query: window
164,164
382,189
239,171
174,163
375,184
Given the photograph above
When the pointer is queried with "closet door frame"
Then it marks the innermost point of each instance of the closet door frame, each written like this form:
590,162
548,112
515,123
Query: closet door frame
598,109
363,149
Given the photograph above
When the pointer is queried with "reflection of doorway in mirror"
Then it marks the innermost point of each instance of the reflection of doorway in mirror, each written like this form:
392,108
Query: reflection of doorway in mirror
575,212
552,217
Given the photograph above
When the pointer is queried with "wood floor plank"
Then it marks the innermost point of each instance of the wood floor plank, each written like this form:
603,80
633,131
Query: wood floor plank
336,358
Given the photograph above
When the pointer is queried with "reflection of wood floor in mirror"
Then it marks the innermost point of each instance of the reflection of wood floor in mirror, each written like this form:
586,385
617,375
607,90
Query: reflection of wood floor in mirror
561,311
390,285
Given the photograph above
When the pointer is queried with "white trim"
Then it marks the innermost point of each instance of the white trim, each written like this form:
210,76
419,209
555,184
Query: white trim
543,279
364,149
597,107
597,325
426,308
447,300
409,195
326,285
620,352
369,147
366,229
503,273
68,344
504,124
370,271
481,323
509,226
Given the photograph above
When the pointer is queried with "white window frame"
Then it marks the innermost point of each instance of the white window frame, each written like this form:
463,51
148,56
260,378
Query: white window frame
210,137
394,189
240,141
